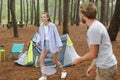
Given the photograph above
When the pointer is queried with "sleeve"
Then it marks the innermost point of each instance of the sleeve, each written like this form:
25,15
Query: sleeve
94,37
40,32
57,37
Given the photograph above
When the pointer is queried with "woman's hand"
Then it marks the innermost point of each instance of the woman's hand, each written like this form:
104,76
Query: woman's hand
36,44
60,49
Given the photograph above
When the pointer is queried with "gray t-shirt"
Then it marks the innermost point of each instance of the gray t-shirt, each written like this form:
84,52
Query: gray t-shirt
97,34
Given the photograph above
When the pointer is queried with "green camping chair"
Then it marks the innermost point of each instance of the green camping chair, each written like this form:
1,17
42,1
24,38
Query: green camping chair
17,48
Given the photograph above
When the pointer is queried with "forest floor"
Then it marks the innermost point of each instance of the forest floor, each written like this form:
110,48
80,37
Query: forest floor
10,71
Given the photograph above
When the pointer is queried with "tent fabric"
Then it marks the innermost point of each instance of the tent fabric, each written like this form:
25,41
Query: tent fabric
29,57
69,42
66,56
22,58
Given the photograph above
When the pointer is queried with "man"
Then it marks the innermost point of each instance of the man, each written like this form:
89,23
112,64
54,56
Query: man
100,48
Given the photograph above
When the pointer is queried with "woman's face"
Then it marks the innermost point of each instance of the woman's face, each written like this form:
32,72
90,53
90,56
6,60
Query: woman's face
44,18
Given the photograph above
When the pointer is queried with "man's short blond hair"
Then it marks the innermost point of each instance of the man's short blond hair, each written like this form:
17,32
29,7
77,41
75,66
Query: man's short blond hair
89,10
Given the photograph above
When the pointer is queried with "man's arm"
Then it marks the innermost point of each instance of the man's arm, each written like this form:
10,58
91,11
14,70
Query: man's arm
92,54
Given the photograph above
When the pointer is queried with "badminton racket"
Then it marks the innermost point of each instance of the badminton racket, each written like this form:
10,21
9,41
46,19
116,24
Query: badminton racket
52,70
65,65
48,70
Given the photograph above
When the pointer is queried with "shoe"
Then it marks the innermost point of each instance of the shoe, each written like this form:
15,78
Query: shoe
64,74
42,78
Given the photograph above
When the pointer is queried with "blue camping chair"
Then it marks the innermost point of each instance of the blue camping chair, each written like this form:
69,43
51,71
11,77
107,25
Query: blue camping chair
17,48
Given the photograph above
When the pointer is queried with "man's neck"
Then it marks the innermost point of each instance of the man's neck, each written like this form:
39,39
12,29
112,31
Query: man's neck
89,22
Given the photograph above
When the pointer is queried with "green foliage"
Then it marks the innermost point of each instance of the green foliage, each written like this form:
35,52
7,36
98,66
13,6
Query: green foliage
17,9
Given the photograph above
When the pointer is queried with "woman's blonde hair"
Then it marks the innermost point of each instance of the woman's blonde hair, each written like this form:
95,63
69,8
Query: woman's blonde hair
49,19
89,10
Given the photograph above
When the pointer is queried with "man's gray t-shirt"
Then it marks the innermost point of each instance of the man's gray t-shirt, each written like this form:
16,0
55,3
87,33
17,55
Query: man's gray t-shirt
97,34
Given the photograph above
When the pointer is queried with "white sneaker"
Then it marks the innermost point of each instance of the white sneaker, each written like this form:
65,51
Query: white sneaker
63,74
42,78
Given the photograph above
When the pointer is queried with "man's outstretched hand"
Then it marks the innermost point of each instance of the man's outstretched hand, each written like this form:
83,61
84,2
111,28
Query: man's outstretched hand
76,61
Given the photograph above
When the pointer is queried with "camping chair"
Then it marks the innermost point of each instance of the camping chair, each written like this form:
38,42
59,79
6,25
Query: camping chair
17,48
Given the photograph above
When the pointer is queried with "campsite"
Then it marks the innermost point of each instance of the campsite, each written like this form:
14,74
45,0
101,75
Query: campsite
11,71
86,28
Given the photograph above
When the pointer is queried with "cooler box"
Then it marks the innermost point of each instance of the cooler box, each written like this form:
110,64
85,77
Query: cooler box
2,55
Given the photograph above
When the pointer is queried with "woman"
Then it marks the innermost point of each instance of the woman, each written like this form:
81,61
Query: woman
50,42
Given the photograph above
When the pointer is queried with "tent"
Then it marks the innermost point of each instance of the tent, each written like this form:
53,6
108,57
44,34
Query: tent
31,56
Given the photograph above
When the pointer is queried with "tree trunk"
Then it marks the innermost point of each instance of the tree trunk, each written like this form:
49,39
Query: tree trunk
103,9
83,1
24,11
65,16
21,12
98,13
8,11
60,13
12,8
35,12
38,16
115,22
77,13
107,14
71,15
31,9
1,11
55,11
91,1
46,6
27,11
112,8
74,18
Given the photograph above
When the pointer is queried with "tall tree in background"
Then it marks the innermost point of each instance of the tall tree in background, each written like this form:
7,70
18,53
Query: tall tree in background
38,16
65,16
1,10
35,12
112,8
77,13
12,9
83,1
74,10
21,11
60,13
103,9
31,11
91,1
115,22
27,12
98,13
71,14
46,6
24,11
107,13
8,5
55,11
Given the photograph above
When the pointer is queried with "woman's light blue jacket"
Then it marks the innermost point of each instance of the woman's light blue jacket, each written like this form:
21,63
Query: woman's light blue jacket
54,38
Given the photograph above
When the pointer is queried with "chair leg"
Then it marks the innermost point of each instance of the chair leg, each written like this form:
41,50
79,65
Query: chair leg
10,56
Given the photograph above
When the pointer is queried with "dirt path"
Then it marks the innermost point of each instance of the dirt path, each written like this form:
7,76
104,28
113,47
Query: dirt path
10,71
